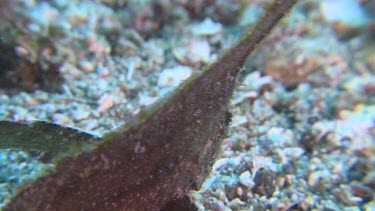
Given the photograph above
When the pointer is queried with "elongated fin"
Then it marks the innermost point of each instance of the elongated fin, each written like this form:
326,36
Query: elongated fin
43,136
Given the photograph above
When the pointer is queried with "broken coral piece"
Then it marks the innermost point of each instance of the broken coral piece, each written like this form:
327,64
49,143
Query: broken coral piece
105,103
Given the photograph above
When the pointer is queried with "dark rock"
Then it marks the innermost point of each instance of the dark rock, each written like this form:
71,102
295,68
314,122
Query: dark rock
359,190
265,182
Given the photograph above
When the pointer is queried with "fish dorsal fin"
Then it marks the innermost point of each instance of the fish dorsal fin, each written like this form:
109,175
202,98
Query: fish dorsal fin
54,139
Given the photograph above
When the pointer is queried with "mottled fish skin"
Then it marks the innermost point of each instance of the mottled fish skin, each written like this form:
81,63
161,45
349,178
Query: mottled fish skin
161,158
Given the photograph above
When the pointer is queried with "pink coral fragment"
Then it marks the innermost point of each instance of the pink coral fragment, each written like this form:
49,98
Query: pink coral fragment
105,102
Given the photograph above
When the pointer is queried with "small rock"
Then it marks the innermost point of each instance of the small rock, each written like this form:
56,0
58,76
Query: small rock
343,194
265,182
318,179
43,14
61,119
245,179
193,51
174,76
293,153
80,114
250,15
236,204
239,120
215,204
77,14
206,28
280,136
357,85
288,168
359,190
344,31
105,102
369,180
347,11
369,206
145,100
86,66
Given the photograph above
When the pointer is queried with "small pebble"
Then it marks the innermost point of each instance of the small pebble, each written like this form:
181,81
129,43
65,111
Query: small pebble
86,66
61,119
245,179
173,76
80,114
206,28
317,179
105,102
265,182
193,51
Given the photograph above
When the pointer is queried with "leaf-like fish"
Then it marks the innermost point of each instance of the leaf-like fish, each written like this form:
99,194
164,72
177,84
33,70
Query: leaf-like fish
161,157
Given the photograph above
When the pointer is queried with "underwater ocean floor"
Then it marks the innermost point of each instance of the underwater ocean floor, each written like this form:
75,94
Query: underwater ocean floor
302,135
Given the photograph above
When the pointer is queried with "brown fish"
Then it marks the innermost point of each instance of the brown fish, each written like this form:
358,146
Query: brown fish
163,155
